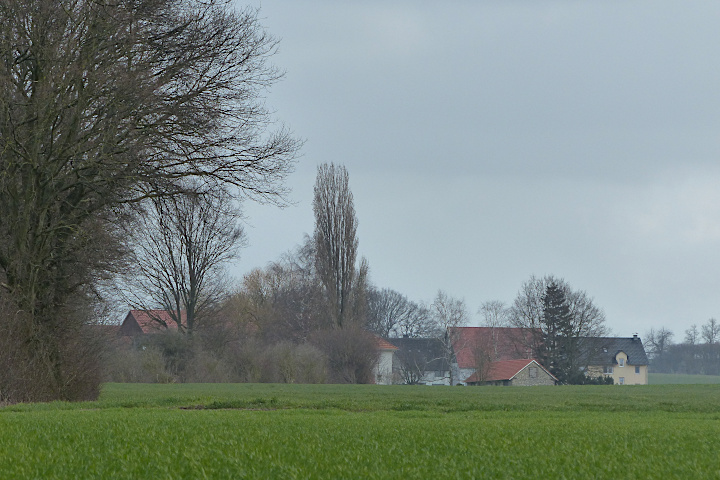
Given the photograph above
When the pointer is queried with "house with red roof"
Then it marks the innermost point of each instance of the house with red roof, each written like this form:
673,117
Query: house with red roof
143,322
521,372
476,348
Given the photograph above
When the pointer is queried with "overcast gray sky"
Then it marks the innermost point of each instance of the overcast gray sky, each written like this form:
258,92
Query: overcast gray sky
488,141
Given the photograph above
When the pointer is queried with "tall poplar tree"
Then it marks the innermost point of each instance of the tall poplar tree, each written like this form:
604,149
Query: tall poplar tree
336,245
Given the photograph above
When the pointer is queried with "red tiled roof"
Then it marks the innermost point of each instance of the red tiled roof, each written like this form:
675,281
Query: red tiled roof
505,370
151,321
383,344
501,343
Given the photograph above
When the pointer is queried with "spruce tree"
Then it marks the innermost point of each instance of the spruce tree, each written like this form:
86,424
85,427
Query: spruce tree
559,342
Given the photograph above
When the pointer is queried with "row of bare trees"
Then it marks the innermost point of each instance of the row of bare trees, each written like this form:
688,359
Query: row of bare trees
698,353
319,294
313,299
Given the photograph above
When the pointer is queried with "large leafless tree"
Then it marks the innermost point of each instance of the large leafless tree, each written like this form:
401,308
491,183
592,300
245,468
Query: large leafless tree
528,312
336,244
107,103
391,313
692,335
494,313
447,314
181,246
711,332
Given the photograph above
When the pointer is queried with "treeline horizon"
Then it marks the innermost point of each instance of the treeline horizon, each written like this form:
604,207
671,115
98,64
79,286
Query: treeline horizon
697,354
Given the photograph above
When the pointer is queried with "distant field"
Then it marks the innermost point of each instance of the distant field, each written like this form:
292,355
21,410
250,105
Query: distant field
674,379
367,431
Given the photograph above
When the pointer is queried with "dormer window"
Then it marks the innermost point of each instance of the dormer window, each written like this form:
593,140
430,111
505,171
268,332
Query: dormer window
621,362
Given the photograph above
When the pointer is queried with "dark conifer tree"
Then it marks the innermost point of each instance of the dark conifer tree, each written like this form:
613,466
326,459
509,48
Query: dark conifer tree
558,349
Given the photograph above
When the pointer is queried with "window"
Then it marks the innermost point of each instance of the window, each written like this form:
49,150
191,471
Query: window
621,381
608,370
533,372
621,362
637,369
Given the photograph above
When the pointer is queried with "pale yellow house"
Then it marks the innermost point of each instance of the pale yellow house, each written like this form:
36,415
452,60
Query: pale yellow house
623,359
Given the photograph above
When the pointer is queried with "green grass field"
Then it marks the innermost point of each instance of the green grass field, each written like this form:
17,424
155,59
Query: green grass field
676,379
365,431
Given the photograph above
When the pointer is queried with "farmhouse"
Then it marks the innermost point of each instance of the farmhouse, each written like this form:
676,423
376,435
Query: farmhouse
141,322
622,359
475,348
513,373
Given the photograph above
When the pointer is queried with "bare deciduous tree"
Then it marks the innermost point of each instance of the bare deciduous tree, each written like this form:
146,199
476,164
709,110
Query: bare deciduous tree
588,318
447,313
105,103
336,241
390,313
181,247
528,312
418,324
711,332
692,335
494,313
657,342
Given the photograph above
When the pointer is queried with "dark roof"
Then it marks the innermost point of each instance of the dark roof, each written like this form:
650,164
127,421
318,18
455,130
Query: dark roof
427,353
603,350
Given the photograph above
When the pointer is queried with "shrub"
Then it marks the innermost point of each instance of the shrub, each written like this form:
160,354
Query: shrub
42,362
351,353
144,364
311,364
209,368
286,362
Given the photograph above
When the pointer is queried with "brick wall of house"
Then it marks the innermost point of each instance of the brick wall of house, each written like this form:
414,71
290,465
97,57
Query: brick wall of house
525,377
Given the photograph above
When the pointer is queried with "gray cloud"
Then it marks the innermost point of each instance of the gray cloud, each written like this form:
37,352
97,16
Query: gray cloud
488,141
